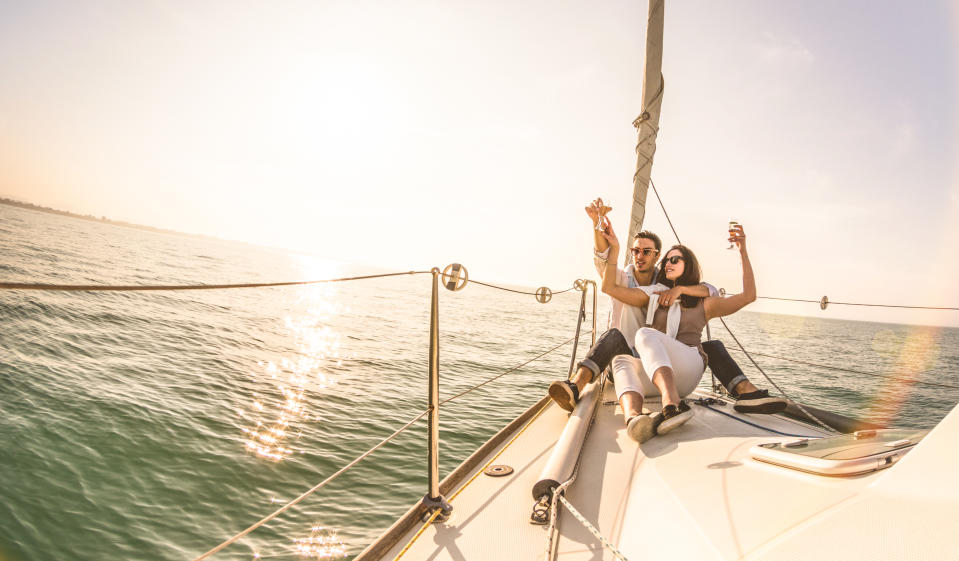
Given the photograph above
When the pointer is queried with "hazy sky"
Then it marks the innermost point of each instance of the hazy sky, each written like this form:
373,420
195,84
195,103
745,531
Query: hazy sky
413,134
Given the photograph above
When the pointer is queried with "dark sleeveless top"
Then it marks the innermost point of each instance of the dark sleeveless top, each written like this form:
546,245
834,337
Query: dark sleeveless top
692,321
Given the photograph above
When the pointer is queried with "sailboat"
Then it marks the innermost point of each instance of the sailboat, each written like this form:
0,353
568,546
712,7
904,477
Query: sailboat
804,484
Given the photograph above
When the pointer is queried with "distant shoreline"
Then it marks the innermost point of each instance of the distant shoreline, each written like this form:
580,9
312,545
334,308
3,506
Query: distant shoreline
103,219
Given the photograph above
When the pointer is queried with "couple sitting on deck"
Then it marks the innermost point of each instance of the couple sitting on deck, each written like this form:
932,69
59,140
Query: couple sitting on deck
656,324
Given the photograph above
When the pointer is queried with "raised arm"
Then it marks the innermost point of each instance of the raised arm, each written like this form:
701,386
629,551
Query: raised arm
718,306
600,245
631,296
594,211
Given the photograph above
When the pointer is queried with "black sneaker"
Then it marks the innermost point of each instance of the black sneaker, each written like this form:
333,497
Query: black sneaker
564,393
674,416
759,401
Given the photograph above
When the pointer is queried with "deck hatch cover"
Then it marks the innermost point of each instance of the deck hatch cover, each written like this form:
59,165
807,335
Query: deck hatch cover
843,455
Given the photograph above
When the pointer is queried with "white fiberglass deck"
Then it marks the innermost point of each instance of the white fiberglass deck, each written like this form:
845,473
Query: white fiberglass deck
696,493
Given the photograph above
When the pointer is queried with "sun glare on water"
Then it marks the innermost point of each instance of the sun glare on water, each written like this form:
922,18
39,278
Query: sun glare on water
280,412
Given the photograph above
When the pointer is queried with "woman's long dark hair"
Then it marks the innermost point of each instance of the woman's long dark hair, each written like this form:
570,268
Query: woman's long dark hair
692,275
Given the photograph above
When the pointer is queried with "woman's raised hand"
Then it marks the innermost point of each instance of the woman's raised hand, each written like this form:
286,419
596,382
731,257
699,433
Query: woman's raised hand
738,236
613,241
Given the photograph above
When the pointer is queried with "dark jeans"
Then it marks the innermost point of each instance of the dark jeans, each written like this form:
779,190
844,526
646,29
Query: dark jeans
612,343
723,366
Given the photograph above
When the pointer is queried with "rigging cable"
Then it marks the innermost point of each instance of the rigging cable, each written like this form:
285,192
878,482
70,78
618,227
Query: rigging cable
799,405
705,403
775,385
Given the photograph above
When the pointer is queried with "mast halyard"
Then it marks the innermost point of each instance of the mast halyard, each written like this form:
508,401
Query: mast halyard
647,124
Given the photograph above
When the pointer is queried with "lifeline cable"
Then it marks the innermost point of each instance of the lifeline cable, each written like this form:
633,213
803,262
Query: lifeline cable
136,287
144,287
837,368
513,369
309,492
859,304
517,291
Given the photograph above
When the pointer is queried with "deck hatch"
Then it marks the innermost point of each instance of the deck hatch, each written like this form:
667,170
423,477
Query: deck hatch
843,455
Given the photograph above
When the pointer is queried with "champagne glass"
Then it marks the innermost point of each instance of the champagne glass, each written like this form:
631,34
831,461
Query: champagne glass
732,229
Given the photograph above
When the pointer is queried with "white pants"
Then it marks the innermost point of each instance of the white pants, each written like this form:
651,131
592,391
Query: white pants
656,349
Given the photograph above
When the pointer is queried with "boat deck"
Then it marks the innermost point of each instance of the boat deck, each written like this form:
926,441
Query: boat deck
694,493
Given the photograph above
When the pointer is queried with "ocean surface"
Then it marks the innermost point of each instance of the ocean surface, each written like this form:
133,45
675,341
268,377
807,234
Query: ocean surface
153,425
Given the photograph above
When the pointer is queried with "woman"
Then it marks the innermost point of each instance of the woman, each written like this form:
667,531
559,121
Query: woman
669,347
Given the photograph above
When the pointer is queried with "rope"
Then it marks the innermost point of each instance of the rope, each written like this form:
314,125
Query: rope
143,287
558,492
311,491
703,403
465,485
592,529
860,304
850,370
799,405
517,291
137,287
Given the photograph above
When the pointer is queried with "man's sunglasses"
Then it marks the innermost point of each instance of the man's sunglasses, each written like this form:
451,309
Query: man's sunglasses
644,250
673,260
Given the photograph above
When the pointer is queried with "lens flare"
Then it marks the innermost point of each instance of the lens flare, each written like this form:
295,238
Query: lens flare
911,357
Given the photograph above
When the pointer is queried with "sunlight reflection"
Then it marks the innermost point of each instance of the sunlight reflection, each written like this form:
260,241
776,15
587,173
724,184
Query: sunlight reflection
286,385
321,544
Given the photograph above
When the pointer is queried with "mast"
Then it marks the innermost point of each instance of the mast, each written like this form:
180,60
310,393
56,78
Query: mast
647,124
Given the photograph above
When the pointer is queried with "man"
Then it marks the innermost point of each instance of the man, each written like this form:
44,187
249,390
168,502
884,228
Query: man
642,271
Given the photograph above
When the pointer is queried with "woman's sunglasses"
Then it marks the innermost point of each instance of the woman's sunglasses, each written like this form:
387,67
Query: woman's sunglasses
673,260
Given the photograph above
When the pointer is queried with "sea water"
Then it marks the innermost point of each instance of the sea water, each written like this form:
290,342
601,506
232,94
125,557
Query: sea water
153,425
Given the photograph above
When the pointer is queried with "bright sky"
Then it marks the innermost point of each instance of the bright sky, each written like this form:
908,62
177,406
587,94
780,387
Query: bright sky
413,134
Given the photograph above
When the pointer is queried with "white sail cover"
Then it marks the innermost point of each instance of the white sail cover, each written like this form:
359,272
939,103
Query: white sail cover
647,124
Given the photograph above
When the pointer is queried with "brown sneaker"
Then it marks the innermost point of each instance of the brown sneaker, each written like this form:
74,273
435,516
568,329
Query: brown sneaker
564,393
641,428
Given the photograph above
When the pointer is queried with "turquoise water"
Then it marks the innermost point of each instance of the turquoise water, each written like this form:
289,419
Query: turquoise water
155,425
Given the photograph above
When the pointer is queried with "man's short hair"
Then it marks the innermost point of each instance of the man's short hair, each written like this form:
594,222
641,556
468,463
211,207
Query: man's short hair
649,236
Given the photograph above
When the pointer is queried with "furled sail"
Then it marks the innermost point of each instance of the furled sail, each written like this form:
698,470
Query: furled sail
647,124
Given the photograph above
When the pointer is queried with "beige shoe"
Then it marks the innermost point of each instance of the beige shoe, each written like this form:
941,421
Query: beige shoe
641,428
564,393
